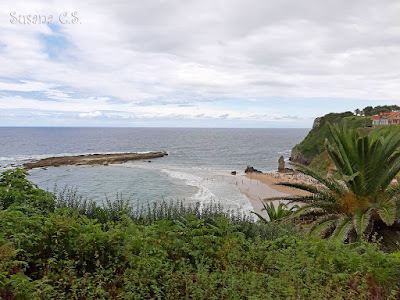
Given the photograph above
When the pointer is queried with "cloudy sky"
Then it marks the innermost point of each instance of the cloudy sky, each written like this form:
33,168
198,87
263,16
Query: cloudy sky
208,63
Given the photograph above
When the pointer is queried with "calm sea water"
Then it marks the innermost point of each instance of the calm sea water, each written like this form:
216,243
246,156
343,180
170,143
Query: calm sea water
190,171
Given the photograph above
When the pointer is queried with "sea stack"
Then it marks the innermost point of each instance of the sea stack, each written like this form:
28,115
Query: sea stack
281,164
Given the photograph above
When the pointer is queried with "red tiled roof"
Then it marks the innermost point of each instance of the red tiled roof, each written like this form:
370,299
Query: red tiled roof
389,115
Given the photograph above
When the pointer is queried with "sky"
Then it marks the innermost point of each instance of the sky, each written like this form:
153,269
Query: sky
208,63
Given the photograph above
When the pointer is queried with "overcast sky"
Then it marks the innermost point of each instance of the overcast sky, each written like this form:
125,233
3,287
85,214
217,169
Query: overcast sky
195,63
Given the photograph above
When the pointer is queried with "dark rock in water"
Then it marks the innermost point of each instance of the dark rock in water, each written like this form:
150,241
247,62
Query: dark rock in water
281,166
250,169
93,159
233,172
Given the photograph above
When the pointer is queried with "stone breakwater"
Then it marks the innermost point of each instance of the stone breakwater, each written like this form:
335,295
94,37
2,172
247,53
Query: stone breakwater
93,159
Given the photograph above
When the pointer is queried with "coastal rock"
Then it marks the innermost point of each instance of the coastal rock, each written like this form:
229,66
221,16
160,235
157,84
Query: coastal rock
299,158
250,169
281,167
281,163
92,159
317,123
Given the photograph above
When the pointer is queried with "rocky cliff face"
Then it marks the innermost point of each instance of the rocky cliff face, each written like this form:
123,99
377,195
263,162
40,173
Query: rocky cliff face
299,158
313,143
316,123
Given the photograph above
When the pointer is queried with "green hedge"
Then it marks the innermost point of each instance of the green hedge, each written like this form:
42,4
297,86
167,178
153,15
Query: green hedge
66,248
67,256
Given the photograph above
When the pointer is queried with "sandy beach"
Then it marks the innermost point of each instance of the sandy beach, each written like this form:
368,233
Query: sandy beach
261,186
272,179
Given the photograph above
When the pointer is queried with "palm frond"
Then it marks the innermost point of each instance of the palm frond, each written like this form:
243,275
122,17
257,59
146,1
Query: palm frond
387,211
343,228
361,221
321,226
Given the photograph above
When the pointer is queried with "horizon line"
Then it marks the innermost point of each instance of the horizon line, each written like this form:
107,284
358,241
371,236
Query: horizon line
167,127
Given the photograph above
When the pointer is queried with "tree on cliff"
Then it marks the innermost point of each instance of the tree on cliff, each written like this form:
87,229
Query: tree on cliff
367,112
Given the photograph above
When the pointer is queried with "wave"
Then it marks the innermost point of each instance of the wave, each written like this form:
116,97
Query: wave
211,189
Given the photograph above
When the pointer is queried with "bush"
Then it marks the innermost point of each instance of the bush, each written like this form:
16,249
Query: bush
68,256
15,189
172,251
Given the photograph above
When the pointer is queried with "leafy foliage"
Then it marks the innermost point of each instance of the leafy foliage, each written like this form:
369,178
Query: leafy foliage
78,250
361,202
15,189
313,144
273,213
68,256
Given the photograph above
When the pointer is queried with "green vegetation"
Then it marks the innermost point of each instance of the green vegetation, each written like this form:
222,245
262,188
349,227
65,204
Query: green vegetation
16,190
371,111
275,214
361,203
313,144
69,248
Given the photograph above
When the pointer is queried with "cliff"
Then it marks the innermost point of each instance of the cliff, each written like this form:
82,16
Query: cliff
313,143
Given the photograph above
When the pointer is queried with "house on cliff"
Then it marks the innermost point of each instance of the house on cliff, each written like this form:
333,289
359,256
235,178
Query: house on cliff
386,119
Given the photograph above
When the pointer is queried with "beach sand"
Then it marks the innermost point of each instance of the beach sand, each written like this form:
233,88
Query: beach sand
258,187
272,179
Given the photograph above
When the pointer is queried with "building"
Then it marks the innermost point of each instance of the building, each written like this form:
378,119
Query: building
390,118
387,119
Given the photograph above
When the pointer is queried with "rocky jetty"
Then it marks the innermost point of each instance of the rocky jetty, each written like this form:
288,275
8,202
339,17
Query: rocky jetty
93,159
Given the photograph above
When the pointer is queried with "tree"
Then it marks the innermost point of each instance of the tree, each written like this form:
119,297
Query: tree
357,112
359,199
15,189
275,214
367,112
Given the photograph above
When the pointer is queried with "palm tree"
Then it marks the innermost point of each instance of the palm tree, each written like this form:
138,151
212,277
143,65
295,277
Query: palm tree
275,214
358,200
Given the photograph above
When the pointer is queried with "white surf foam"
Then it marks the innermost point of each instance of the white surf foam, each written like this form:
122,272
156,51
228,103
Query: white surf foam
211,189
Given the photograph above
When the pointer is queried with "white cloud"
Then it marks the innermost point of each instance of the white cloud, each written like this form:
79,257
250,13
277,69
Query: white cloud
143,58
93,114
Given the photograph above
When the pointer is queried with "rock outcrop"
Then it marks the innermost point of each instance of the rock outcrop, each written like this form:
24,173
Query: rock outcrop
250,169
299,158
93,159
281,164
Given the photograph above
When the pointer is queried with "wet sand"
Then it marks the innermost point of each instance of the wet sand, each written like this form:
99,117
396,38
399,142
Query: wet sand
257,187
256,190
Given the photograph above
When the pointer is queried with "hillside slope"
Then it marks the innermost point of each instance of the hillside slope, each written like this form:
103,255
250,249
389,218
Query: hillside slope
313,143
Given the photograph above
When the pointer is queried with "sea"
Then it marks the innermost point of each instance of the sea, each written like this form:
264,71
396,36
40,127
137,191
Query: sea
198,159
